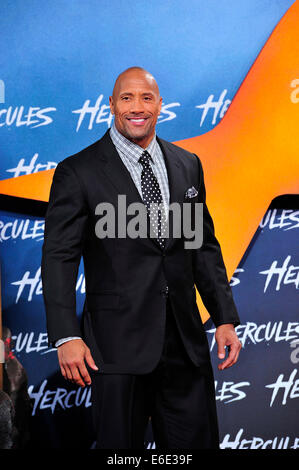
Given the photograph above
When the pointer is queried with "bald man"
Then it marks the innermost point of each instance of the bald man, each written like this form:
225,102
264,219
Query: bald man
141,343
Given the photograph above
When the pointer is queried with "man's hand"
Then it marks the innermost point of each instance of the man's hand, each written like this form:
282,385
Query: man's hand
226,336
71,356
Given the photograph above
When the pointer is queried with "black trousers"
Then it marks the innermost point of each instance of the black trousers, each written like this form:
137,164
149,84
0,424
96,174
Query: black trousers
177,397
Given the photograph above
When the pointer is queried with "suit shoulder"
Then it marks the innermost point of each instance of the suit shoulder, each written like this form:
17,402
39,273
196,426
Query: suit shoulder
81,159
180,152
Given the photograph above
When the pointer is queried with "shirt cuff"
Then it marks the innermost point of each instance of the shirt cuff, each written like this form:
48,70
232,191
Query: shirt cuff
64,340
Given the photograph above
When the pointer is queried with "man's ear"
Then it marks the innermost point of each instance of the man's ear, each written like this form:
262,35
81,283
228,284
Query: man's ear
111,104
160,104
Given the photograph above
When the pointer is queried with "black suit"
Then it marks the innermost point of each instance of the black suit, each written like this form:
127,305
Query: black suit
125,309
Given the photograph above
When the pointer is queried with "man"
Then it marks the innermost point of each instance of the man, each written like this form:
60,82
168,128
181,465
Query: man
142,345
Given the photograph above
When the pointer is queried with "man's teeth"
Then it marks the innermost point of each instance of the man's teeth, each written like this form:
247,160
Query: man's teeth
137,120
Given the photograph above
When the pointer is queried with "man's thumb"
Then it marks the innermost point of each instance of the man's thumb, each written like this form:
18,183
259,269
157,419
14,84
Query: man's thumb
90,361
221,350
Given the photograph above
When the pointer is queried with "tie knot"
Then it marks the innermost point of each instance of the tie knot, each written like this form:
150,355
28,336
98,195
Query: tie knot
145,158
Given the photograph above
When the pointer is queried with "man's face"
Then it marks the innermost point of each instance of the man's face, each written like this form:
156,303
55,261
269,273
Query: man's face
136,105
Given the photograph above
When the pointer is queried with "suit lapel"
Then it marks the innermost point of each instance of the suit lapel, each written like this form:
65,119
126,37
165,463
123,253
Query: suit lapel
120,177
116,171
118,174
175,180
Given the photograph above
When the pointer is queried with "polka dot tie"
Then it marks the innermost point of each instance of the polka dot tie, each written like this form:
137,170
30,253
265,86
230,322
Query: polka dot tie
152,196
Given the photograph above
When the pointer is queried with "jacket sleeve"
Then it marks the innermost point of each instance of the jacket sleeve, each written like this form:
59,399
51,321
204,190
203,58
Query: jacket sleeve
209,269
65,223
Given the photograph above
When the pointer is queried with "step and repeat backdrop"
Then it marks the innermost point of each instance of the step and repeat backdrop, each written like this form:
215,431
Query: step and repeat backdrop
59,61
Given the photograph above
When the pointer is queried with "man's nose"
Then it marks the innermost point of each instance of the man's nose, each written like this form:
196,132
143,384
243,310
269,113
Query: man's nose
137,105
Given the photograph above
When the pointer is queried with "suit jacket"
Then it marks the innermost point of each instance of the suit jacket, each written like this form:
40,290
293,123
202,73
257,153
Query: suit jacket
125,305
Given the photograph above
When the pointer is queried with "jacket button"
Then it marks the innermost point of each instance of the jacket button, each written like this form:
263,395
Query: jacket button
165,292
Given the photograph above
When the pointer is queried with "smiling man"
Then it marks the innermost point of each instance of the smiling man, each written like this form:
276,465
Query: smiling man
141,344
136,104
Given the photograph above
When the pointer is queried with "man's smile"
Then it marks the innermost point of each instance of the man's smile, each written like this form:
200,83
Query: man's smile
137,121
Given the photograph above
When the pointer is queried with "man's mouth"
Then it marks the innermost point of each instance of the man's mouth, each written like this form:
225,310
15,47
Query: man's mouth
137,121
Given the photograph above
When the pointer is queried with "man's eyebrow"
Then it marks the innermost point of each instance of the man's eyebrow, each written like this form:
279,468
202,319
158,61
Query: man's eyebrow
150,93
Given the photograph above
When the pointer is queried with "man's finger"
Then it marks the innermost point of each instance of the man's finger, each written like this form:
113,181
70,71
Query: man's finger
84,374
63,372
233,355
76,376
229,360
68,370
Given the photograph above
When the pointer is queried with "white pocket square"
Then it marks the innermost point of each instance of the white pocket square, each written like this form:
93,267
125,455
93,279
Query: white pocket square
190,193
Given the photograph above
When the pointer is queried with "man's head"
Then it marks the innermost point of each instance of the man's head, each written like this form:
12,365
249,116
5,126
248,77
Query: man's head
136,105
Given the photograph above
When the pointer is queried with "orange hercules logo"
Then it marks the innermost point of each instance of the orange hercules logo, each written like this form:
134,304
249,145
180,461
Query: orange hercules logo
249,158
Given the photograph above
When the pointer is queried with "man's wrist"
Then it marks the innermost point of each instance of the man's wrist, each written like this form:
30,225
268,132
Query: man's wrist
233,324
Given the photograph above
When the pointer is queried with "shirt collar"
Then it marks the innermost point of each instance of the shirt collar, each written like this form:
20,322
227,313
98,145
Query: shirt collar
130,149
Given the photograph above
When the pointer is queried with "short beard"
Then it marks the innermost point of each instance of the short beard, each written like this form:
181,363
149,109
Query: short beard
133,138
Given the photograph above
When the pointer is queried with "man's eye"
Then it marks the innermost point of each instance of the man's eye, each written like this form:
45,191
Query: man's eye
125,98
